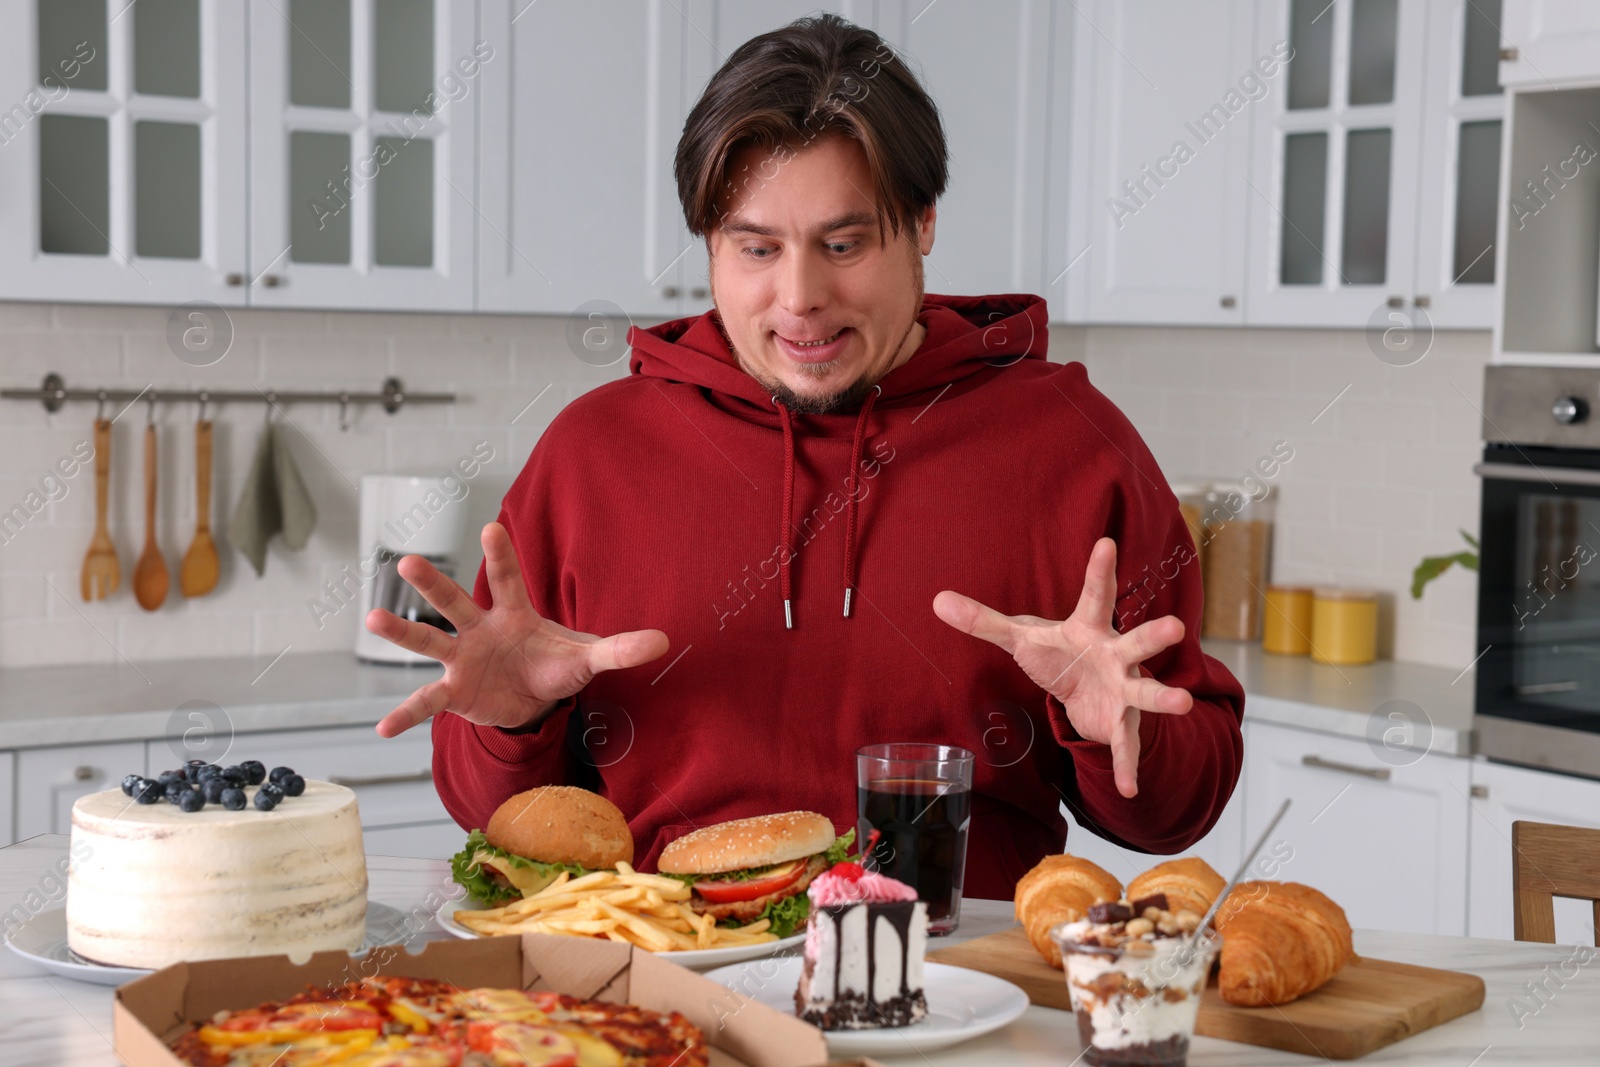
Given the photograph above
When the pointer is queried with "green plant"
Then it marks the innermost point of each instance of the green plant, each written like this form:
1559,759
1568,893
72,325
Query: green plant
1433,566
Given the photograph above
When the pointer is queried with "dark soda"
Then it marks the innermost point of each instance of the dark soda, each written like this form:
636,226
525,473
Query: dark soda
922,827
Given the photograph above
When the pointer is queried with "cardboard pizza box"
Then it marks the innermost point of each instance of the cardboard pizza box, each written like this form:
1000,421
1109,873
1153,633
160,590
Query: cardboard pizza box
151,1012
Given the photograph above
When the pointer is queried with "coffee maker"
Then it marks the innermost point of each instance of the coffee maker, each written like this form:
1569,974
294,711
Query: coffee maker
404,515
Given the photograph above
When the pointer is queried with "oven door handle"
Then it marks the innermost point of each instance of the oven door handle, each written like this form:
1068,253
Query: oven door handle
1515,472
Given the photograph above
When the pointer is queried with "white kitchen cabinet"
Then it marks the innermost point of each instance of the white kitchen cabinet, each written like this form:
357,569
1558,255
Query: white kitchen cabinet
1551,42
122,162
581,113
1385,839
363,153
8,792
1221,847
1160,133
1376,172
49,780
1503,795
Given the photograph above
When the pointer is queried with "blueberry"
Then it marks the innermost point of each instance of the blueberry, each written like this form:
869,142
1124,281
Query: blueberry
130,782
191,770
235,775
174,790
166,777
233,798
213,788
191,800
265,801
255,770
273,790
293,785
279,774
147,791
206,773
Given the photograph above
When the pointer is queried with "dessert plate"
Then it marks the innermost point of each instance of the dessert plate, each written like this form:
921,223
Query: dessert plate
699,959
43,940
962,1005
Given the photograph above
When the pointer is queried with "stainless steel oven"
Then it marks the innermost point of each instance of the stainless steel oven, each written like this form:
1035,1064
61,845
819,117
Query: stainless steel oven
1538,685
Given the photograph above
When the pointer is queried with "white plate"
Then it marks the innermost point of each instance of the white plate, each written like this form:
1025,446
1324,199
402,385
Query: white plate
698,959
43,940
962,1005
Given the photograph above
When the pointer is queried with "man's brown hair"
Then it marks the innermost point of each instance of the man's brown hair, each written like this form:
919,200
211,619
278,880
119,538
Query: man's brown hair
785,90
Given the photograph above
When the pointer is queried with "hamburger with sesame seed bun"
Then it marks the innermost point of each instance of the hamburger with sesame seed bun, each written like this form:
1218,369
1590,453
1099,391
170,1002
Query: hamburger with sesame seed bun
751,869
536,835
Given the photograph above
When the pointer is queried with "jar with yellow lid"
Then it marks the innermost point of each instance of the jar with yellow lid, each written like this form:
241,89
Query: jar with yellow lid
1344,626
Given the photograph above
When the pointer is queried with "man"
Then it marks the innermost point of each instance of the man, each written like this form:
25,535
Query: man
823,491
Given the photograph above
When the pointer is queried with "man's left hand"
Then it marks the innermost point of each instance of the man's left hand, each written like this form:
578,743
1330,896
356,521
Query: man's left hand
1085,663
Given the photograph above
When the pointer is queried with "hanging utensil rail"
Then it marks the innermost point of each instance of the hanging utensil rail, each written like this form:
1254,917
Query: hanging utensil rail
54,394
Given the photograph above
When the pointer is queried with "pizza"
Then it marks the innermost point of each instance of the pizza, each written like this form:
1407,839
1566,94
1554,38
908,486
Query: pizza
419,1022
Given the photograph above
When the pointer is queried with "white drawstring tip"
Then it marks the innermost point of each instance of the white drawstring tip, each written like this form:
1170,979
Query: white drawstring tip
788,617
847,591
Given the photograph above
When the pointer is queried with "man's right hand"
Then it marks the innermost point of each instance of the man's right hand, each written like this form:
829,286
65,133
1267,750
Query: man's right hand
506,666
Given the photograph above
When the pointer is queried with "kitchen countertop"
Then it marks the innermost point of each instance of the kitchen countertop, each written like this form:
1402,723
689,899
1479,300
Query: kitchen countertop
138,701
42,706
1295,691
57,1021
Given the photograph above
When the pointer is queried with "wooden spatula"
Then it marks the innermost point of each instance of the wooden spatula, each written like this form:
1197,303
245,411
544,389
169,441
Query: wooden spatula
198,575
150,579
101,572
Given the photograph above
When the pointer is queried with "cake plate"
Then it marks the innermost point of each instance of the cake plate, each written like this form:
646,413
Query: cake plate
962,1004
43,940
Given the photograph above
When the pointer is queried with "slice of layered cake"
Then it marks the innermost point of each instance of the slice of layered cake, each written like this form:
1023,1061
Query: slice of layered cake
864,949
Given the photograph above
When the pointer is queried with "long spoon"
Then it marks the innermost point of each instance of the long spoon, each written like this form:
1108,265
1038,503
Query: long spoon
198,575
150,580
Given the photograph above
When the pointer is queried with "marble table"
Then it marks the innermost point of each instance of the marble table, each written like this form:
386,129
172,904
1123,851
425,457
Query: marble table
46,1020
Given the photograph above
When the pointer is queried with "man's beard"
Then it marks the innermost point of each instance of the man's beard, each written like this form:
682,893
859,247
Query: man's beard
814,403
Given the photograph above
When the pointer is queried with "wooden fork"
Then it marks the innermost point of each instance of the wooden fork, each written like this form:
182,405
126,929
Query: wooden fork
101,573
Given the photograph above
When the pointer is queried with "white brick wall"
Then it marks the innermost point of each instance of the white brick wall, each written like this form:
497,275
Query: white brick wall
1382,478
496,364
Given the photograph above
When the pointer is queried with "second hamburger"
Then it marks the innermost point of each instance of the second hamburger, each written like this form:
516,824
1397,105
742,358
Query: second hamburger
751,869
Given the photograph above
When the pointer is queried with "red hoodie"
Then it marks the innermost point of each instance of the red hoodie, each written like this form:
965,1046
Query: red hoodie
682,498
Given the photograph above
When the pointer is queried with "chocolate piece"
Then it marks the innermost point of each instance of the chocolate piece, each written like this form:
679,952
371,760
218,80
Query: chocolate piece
1111,911
1154,900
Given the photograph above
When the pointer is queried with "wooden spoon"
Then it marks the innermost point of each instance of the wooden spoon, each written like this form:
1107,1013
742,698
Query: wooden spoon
198,575
101,572
150,580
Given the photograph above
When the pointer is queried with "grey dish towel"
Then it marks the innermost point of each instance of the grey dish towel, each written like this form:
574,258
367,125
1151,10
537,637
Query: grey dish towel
274,502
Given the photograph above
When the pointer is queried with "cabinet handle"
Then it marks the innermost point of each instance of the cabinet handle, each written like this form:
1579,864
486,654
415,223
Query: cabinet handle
1397,301
84,774
1480,792
234,279
1380,773
1422,301
381,779
271,281
670,292
1229,301
1508,55
699,293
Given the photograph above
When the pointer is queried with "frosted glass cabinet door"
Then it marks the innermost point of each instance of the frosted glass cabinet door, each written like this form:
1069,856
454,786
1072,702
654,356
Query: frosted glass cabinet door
363,141
122,151
1335,162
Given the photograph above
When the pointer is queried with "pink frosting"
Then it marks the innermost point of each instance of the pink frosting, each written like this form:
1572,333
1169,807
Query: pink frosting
830,890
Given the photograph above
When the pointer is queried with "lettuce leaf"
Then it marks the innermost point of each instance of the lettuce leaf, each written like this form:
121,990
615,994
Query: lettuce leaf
787,915
477,881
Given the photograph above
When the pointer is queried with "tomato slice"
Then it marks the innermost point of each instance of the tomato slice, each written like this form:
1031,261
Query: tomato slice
732,892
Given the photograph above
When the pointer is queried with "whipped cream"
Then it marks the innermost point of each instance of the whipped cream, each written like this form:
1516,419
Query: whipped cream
831,890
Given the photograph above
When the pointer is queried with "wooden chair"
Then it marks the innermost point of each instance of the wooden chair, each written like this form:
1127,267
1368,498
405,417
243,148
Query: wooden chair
1549,861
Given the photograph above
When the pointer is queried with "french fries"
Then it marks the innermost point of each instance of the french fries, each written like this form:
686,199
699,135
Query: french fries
646,910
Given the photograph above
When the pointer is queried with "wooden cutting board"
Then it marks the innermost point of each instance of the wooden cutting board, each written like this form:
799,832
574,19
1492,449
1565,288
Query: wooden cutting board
1367,1005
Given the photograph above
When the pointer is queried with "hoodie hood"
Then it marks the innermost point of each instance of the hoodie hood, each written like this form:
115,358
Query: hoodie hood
968,337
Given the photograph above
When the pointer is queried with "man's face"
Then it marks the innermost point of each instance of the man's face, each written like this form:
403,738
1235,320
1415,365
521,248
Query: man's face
816,303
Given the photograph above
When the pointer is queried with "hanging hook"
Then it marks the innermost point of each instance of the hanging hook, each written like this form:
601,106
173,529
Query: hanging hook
272,402
344,412
100,408
203,397
150,411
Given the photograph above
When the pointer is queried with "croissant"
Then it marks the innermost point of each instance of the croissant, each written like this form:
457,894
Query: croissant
1190,884
1280,941
1060,889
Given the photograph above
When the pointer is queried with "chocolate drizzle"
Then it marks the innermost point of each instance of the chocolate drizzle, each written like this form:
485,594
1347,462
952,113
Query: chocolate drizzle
859,1009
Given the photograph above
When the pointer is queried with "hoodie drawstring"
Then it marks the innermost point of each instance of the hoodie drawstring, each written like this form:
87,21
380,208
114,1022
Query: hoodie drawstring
852,483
